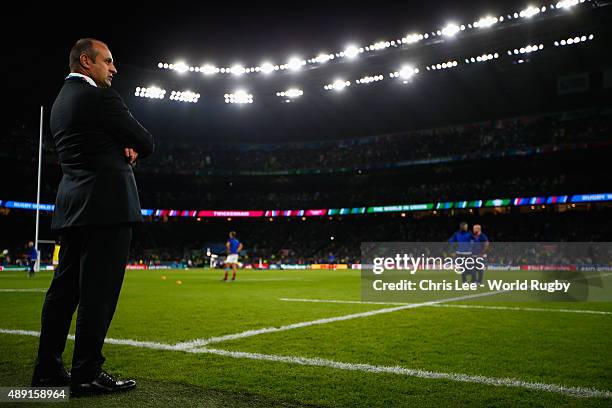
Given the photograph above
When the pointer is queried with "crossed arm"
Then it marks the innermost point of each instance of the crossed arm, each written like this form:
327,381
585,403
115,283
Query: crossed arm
128,132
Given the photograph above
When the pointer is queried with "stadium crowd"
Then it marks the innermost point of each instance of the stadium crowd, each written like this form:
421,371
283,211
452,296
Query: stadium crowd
365,193
513,136
519,135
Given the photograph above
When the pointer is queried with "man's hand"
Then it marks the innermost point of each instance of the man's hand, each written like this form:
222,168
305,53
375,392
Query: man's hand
131,155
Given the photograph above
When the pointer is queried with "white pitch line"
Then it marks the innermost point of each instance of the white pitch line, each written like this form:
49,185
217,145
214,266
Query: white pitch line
24,290
256,332
249,333
354,302
527,309
366,368
124,342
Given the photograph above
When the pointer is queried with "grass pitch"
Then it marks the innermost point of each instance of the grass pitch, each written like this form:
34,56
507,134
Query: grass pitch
426,356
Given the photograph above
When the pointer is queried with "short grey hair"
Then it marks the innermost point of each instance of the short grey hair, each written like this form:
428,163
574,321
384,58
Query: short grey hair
82,46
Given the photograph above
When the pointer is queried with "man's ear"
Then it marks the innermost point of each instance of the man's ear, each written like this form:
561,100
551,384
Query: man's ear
85,61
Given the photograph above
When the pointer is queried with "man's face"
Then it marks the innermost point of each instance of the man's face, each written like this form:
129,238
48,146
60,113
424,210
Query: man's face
463,227
476,229
103,68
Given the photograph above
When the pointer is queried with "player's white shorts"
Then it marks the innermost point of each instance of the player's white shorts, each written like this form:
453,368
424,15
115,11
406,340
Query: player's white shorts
232,258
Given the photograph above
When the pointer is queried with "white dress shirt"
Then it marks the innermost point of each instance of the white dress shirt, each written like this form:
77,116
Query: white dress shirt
85,77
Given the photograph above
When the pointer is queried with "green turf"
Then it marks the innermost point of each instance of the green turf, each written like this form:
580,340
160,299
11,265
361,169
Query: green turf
560,348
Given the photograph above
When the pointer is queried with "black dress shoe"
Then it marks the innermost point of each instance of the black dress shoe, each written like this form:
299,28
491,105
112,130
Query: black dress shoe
103,384
58,379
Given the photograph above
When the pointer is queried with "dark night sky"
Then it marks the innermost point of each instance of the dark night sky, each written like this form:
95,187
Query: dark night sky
141,36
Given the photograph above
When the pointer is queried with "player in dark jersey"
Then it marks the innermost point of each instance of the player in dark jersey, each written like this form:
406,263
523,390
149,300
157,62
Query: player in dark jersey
480,244
232,247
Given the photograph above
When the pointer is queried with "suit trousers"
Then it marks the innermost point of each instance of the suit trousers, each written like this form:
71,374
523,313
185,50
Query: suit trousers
89,276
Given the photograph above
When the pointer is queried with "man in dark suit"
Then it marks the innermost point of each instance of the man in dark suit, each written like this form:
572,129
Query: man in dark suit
98,142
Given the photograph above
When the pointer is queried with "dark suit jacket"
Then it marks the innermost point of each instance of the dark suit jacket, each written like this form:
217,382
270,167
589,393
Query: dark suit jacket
91,127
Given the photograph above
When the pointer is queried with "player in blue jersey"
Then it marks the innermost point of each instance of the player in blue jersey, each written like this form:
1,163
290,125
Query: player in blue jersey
480,244
233,247
32,256
463,239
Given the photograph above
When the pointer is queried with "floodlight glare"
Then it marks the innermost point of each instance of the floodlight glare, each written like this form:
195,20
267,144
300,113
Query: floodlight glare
407,72
295,64
412,38
450,30
266,68
566,4
209,69
339,84
351,51
237,70
485,22
529,12
322,58
180,67
240,96
151,92
294,93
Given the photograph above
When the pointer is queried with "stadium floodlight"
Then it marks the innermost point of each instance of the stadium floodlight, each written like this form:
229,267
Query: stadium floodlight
294,92
574,40
412,38
266,67
209,69
566,4
381,45
184,96
237,70
180,67
295,64
485,22
323,58
340,84
152,92
450,30
529,12
370,79
407,72
291,93
337,85
443,65
351,51
484,57
240,96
